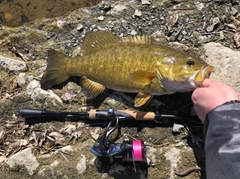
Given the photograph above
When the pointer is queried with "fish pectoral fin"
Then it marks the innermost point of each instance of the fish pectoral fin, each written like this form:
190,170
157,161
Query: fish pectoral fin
141,99
91,89
95,41
142,77
163,73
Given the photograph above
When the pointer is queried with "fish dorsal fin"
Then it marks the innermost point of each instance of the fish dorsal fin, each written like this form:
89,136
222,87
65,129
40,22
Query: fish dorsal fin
91,89
145,39
95,41
142,77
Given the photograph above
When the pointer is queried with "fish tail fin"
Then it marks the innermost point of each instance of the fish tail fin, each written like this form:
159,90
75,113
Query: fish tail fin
56,69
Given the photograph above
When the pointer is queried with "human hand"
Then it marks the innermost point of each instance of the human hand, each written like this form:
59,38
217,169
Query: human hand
212,94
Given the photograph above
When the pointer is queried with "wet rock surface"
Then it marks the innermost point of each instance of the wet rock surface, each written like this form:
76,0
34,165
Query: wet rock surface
15,13
59,147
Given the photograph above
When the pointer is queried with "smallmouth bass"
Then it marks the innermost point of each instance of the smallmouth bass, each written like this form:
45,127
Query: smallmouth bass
133,64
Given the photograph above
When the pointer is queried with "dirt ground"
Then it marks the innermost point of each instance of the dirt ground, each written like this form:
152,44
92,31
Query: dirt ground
40,28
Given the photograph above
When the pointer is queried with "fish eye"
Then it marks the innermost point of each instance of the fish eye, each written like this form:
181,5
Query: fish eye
190,63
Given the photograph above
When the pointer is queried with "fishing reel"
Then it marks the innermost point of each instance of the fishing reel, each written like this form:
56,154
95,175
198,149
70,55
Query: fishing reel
128,151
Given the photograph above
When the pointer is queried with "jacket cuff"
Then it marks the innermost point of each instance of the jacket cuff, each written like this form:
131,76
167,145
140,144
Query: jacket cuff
211,115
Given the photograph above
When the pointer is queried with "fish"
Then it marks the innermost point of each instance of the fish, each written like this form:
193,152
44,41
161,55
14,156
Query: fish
133,64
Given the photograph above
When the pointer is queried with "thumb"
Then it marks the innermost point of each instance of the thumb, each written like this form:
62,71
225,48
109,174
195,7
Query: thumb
207,82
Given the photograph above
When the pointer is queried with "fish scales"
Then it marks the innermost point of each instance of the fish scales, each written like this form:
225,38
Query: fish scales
112,66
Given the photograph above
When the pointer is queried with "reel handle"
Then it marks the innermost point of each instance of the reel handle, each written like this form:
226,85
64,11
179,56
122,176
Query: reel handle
135,115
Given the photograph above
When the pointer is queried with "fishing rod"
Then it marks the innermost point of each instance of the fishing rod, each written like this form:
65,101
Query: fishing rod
94,114
104,148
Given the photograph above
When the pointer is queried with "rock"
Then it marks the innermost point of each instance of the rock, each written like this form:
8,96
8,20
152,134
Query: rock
95,132
200,6
8,18
12,65
35,92
180,46
133,32
137,13
226,64
2,159
177,128
151,155
104,175
101,18
117,9
54,164
26,158
79,27
146,2
21,79
81,165
234,11
173,156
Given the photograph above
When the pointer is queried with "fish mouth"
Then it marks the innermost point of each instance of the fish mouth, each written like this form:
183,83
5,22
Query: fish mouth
201,74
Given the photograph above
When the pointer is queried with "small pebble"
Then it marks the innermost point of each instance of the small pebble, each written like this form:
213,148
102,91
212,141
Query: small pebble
137,13
146,2
133,32
177,128
21,79
234,11
101,18
79,27
8,18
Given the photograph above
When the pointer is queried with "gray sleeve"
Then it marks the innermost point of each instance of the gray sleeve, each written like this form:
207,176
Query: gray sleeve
222,141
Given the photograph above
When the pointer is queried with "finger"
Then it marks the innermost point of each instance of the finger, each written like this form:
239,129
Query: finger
199,112
194,96
198,94
207,82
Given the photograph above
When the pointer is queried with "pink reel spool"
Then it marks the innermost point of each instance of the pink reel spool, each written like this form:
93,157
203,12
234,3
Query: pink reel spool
138,150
